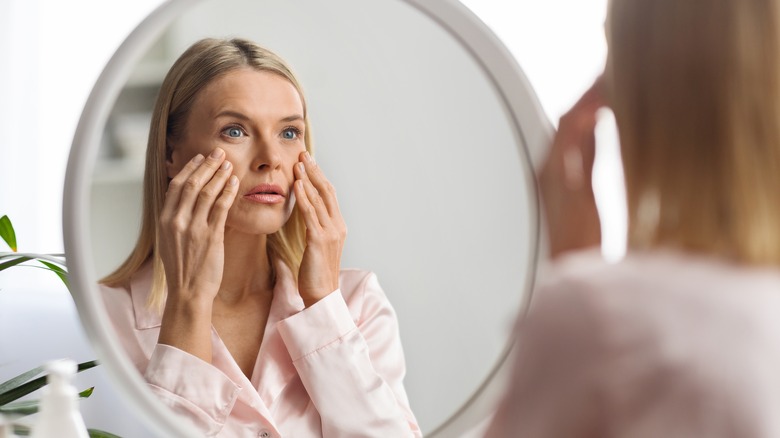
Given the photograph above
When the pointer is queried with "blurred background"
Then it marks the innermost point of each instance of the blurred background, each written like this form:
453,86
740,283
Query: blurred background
52,54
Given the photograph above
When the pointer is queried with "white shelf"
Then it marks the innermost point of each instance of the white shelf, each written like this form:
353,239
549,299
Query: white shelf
118,171
148,74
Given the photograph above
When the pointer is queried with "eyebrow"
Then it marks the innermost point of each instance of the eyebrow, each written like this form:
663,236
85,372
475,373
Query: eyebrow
242,116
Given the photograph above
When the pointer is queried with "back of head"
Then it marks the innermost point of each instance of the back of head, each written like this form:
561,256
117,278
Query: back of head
695,87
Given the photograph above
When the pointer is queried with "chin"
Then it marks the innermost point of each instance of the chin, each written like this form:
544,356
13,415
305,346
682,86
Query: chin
256,223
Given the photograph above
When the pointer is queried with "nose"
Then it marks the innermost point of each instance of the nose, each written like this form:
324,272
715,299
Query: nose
267,155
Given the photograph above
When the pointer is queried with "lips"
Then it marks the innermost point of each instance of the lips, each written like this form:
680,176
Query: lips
266,194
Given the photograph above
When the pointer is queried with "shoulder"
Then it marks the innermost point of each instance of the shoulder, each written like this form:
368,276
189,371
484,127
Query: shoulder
647,283
118,303
662,307
117,299
581,299
127,304
133,324
653,335
574,282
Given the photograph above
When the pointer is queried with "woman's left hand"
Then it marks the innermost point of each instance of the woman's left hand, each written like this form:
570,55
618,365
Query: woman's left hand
325,231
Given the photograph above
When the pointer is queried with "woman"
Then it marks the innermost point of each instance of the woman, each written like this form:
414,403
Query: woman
679,339
232,304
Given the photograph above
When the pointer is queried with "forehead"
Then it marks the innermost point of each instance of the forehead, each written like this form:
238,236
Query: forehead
255,93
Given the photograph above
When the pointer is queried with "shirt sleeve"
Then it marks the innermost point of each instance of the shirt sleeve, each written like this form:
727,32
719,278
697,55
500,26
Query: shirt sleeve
191,387
352,371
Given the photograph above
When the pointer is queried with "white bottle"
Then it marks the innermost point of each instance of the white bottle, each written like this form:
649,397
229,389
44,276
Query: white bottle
6,428
59,414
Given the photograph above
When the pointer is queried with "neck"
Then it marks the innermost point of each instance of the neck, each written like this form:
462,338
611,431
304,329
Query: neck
247,269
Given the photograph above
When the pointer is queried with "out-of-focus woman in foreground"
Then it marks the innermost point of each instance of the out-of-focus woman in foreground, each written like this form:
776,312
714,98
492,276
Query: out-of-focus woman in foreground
682,337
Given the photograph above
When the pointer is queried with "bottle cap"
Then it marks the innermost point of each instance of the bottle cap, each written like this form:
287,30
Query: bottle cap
60,371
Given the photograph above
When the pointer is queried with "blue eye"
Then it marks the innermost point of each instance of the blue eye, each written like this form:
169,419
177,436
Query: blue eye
233,132
290,133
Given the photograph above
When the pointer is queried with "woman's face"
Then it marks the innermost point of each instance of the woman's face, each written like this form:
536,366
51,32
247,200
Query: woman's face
256,117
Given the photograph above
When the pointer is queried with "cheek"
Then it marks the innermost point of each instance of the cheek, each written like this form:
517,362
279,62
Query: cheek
291,158
295,152
235,159
289,207
185,151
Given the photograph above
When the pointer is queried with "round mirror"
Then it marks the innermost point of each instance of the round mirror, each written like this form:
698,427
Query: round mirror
426,127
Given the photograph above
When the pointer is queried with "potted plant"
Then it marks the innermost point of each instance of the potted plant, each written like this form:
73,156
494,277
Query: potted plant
11,391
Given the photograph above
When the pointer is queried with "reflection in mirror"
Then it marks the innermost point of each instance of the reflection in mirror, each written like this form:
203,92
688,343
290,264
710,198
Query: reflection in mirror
429,171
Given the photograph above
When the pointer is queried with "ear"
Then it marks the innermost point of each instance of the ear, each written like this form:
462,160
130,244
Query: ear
172,167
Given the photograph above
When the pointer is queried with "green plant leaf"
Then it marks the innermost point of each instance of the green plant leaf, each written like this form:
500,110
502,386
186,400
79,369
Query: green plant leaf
95,433
7,232
29,407
14,262
33,385
21,409
20,379
62,273
86,365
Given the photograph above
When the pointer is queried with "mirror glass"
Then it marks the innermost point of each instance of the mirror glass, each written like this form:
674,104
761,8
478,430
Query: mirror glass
428,162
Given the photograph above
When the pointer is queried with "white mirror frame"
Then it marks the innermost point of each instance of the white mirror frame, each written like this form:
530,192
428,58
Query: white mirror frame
532,129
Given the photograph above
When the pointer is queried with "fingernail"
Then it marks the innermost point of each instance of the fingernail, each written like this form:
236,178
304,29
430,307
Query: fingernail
233,180
217,153
197,159
301,167
308,156
225,165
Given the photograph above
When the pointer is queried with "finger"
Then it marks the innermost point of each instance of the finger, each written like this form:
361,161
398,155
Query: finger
211,191
223,203
175,186
577,126
573,169
313,196
192,187
588,145
574,147
583,113
325,189
305,206
593,97
578,156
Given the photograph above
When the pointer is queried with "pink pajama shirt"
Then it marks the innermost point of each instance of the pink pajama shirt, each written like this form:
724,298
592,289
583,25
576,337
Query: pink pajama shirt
334,369
662,344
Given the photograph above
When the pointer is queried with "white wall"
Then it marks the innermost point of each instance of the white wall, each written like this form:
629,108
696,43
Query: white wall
52,53
561,47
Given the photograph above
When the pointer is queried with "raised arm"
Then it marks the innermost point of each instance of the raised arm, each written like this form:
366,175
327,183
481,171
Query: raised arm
191,245
352,370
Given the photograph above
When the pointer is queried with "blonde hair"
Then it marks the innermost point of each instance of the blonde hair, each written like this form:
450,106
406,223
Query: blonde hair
695,88
199,65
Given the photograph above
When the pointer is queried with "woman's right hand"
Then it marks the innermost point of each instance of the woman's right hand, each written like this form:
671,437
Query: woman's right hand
191,244
565,180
